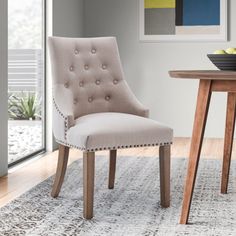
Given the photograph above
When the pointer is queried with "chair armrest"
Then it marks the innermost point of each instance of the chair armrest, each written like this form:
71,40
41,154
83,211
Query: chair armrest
140,109
63,115
61,123
134,105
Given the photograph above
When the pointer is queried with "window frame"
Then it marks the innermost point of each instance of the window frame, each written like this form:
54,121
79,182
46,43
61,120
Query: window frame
44,128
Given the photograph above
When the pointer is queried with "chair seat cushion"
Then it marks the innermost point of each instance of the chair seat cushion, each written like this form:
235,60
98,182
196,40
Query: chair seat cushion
110,130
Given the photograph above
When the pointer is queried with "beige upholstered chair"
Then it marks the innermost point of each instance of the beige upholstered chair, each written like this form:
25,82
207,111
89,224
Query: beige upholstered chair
94,109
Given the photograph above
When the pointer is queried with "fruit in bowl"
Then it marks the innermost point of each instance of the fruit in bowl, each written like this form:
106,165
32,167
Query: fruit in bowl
227,51
224,59
231,50
221,51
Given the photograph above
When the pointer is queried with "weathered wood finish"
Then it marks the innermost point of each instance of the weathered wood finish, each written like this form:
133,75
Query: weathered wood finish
203,101
164,160
61,170
88,183
228,143
112,169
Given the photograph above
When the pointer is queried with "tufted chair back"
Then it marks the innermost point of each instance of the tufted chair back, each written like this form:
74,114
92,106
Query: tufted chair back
88,77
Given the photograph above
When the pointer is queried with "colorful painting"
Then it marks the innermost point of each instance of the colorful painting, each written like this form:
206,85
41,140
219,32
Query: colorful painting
183,19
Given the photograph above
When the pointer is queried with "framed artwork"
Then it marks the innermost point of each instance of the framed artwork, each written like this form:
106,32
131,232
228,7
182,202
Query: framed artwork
183,20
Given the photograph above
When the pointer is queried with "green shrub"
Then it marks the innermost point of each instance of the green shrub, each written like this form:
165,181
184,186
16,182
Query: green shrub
23,107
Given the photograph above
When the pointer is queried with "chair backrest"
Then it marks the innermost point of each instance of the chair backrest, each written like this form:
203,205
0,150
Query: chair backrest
88,76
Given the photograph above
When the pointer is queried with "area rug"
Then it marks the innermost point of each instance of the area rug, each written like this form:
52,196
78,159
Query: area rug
132,208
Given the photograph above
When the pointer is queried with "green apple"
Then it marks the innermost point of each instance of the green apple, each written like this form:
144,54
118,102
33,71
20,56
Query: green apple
230,50
220,52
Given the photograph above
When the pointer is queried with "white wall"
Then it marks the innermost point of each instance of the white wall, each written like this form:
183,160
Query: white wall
146,65
3,89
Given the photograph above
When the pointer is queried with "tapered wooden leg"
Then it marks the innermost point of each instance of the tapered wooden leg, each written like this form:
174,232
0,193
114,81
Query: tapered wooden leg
88,182
203,101
61,170
112,169
164,159
228,142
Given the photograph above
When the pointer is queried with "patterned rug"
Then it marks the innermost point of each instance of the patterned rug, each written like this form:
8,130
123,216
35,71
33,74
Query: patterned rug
132,208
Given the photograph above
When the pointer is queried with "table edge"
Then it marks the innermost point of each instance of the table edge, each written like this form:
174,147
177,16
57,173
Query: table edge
203,74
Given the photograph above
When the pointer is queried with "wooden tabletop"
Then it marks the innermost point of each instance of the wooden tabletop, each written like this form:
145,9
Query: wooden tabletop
203,74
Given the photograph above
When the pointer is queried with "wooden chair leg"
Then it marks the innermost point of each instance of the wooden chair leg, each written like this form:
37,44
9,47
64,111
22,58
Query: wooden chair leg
228,142
112,169
203,101
61,170
88,183
164,159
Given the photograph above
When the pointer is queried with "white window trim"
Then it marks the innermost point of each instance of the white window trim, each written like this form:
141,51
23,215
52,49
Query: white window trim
50,143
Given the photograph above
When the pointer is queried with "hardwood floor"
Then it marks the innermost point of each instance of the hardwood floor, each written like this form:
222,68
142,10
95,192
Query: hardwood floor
23,178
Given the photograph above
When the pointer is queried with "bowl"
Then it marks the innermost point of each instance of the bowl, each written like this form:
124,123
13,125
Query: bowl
223,61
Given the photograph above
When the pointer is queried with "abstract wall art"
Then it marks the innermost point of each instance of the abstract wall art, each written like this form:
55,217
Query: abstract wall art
190,20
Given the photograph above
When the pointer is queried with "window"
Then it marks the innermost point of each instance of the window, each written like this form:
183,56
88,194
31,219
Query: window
26,79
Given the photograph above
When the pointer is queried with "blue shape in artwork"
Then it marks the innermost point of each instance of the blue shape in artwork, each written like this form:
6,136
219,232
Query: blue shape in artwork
201,12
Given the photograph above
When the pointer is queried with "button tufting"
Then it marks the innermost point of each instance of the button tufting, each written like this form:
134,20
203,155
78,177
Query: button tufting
86,67
104,67
76,51
81,83
97,82
115,81
107,98
75,101
93,51
71,68
90,99
66,85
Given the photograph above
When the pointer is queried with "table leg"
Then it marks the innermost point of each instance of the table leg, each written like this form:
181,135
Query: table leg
203,101
228,142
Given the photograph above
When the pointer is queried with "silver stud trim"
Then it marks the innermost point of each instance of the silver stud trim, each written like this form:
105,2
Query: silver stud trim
66,121
112,148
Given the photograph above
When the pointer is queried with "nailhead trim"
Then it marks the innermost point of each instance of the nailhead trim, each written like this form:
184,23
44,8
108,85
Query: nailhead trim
111,148
57,108
66,121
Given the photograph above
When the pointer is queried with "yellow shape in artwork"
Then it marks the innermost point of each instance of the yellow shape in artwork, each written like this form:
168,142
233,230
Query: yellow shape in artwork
159,3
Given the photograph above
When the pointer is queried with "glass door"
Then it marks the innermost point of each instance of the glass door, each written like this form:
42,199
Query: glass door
26,76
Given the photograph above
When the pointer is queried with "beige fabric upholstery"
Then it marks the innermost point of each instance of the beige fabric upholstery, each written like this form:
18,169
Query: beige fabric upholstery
88,79
117,130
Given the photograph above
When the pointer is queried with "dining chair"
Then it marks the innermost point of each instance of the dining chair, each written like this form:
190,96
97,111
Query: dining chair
94,109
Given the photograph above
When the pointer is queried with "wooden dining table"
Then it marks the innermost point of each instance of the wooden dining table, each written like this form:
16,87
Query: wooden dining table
209,81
